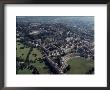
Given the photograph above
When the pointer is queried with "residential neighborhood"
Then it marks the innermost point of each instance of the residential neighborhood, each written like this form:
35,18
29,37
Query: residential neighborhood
47,45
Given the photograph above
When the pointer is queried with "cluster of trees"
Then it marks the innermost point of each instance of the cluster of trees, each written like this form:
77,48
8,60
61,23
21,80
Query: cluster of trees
20,65
67,69
91,71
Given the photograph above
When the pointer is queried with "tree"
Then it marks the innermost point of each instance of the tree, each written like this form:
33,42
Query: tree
35,71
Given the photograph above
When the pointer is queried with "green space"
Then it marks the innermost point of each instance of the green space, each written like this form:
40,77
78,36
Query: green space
35,58
79,65
24,71
41,67
35,54
22,50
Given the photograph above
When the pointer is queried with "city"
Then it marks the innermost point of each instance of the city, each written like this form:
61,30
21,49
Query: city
45,45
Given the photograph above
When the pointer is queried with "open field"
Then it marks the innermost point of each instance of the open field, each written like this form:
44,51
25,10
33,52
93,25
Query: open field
35,56
41,67
25,71
79,65
21,51
39,64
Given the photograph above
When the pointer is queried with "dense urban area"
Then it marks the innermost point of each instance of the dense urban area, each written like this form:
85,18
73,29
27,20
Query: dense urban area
54,45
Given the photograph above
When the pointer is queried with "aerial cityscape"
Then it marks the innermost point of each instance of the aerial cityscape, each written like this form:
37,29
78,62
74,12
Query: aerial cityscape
55,45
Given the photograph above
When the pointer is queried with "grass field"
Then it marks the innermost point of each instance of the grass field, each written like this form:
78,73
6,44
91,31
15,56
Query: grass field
24,71
79,65
35,55
22,51
41,67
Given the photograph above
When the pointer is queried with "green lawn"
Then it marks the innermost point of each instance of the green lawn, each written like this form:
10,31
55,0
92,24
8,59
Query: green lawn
79,65
24,71
21,53
41,67
35,54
